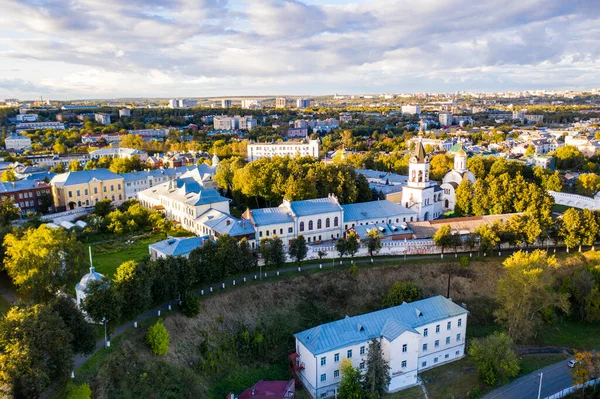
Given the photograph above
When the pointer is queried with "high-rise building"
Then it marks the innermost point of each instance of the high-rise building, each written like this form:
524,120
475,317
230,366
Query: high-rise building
173,103
225,103
251,104
411,109
280,102
445,118
124,112
103,119
302,103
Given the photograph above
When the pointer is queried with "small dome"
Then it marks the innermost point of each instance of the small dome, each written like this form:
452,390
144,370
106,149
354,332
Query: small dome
85,280
461,152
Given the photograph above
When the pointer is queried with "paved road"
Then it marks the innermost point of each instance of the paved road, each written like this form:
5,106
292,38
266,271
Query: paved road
327,263
556,378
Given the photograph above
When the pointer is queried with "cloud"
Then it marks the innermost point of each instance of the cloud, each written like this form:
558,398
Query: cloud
212,47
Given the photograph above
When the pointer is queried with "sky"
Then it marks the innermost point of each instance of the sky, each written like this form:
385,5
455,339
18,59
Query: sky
76,49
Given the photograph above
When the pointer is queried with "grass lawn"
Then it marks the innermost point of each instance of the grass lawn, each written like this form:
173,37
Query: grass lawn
410,393
571,335
4,306
109,256
560,208
531,363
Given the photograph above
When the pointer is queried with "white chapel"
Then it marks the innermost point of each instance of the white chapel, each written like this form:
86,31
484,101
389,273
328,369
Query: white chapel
454,178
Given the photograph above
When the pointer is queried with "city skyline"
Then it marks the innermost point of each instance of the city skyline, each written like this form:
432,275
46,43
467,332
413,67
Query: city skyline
205,48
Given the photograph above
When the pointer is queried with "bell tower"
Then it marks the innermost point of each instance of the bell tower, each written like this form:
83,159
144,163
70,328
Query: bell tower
418,167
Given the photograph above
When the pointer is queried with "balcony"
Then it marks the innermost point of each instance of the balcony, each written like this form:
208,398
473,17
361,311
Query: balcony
295,362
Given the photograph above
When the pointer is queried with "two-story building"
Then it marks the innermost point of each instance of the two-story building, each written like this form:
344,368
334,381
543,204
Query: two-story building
414,337
372,212
28,195
85,188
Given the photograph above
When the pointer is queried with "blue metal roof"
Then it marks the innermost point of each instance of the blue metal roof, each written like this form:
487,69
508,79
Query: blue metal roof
223,223
267,216
178,246
382,209
389,323
7,187
85,176
315,206
138,175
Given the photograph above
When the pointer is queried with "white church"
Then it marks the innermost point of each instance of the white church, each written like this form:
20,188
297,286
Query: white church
454,178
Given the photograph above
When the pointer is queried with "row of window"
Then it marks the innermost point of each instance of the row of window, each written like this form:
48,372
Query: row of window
319,225
436,359
336,373
85,191
437,342
27,194
377,221
336,357
267,232
437,328
31,203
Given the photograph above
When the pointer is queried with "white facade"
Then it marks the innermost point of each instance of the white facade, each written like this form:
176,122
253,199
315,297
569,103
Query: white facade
409,345
225,103
302,103
453,178
251,104
280,102
27,117
445,118
222,122
40,125
103,119
124,112
157,133
262,150
17,142
411,109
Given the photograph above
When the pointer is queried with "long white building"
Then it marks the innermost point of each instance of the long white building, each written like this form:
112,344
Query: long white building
268,150
17,142
414,337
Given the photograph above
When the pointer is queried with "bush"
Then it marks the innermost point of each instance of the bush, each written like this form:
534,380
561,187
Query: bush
495,359
354,270
190,305
73,391
402,291
158,338
464,261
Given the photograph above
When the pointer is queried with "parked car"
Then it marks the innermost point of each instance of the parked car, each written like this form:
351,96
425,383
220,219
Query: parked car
572,363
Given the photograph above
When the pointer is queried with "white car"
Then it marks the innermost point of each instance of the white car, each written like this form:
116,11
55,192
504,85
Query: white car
572,363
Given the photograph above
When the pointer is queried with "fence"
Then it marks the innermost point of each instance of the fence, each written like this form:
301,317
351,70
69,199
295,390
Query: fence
573,389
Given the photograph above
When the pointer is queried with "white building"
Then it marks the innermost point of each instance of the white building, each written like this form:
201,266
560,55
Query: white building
175,246
222,122
251,104
262,150
225,103
118,152
302,103
414,337
420,194
40,125
103,119
445,118
280,102
412,109
17,142
173,103
152,133
124,112
454,178
27,117
81,287
583,144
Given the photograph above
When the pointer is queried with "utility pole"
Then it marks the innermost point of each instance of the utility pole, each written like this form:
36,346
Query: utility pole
540,388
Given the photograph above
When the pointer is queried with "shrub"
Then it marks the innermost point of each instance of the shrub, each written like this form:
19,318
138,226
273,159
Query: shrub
354,270
464,261
158,338
402,291
190,304
73,391
495,359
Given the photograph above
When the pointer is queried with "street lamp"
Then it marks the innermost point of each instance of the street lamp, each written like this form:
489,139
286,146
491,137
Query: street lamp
540,388
106,343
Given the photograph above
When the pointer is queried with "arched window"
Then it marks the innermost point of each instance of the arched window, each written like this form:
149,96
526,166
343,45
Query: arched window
301,226
319,224
335,221
327,223
310,225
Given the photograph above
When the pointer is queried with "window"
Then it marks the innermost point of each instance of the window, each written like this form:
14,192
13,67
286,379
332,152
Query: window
119,186
336,374
323,377
457,353
459,322
95,190
85,192
104,188
319,224
424,347
457,337
301,226
336,357
349,354
437,343
424,364
327,223
437,328
435,359
335,221
404,364
260,233
361,365
310,225
324,395
362,350
267,233
21,195
281,231
449,325
290,230
70,194
425,332
447,356
447,340
323,361
404,348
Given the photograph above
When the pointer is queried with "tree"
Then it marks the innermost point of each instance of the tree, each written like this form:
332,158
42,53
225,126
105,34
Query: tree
351,381
73,391
402,291
553,182
377,377
58,168
341,245
272,252
352,244
35,351
75,166
298,248
43,260
101,302
571,228
190,304
374,237
530,150
584,369
133,286
494,357
8,175
524,293
464,196
8,211
158,338
569,157
84,335
443,237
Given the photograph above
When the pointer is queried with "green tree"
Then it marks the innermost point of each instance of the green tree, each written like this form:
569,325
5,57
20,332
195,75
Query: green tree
8,175
58,168
8,211
569,157
73,391
530,150
75,166
272,252
133,285
402,291
494,357
35,351
351,381
443,237
464,196
84,335
374,237
524,294
102,303
553,182
377,377
43,260
341,245
190,304
352,244
571,228
158,338
298,249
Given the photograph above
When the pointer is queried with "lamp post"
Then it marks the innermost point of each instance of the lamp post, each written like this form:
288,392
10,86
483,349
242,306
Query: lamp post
106,343
540,388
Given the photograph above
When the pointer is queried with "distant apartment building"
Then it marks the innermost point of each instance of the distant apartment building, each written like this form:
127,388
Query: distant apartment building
79,106
300,124
251,104
101,118
182,103
26,117
11,102
108,137
39,126
118,152
302,103
27,194
445,118
65,116
173,103
124,112
151,133
345,117
222,122
529,118
17,142
412,109
85,188
297,133
268,150
280,102
225,103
